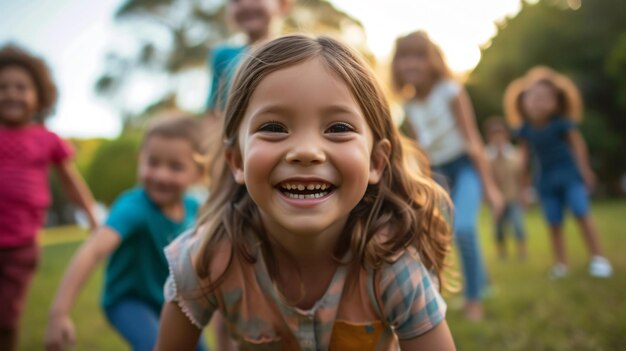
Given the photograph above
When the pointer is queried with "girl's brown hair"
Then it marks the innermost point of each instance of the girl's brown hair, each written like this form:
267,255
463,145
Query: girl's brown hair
569,101
406,203
11,56
418,43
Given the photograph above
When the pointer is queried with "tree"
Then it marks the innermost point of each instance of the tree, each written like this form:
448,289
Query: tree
584,40
113,168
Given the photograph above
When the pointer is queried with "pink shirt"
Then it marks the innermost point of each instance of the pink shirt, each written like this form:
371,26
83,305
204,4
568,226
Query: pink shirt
25,156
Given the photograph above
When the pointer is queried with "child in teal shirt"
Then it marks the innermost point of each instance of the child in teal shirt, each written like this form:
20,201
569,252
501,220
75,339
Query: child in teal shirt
141,223
258,20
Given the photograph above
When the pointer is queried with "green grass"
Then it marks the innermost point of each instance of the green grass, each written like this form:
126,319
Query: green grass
526,310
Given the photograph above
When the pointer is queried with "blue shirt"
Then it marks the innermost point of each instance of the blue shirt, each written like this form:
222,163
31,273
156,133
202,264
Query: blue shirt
138,268
553,159
223,62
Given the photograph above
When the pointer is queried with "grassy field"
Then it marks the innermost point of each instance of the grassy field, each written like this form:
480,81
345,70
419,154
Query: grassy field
525,310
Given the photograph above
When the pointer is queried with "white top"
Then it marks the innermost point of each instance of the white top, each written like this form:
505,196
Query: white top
435,125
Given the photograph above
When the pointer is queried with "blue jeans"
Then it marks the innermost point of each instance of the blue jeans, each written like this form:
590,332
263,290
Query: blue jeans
137,323
513,214
463,183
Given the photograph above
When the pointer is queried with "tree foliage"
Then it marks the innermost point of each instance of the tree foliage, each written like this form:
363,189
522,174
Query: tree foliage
113,168
584,40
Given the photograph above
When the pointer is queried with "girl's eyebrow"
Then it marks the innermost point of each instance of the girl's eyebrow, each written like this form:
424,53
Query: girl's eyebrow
340,109
272,109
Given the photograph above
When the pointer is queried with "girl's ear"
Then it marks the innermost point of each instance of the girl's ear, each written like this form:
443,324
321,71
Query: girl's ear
380,157
233,158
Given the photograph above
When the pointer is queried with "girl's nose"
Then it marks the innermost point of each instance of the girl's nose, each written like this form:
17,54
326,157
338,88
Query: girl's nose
306,151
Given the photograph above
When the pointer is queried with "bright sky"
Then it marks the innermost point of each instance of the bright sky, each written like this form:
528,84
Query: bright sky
75,35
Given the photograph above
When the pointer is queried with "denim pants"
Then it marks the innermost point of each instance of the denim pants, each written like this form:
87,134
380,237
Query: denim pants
512,214
461,180
138,324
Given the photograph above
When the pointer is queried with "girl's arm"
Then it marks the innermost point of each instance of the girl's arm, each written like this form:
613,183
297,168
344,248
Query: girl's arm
579,148
176,332
524,179
60,333
438,338
464,113
77,190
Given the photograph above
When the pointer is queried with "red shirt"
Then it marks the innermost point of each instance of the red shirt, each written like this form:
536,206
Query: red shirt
25,156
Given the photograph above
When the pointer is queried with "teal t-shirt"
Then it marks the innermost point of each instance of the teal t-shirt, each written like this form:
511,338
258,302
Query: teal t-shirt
223,62
138,268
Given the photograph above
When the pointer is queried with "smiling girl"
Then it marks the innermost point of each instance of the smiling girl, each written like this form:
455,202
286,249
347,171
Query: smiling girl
323,233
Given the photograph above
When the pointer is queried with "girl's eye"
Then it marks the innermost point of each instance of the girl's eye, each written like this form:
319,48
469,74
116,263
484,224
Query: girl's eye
273,127
340,127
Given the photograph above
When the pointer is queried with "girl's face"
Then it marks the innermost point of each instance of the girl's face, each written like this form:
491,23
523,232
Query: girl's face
539,102
167,168
305,151
18,96
414,66
254,17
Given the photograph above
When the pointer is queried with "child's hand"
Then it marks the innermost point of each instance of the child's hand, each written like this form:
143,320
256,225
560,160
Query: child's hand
60,335
590,179
525,198
495,201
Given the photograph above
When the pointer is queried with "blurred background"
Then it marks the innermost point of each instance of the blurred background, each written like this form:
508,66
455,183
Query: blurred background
119,62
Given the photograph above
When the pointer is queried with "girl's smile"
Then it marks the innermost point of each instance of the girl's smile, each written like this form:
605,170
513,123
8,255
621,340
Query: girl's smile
306,192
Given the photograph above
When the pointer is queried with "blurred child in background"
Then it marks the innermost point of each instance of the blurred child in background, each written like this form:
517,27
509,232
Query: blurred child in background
546,106
506,168
440,116
27,149
260,21
142,221
318,236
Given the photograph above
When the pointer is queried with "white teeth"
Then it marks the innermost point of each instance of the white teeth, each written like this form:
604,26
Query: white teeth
307,196
322,187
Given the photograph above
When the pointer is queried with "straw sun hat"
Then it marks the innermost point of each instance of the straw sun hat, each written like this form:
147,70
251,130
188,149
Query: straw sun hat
569,94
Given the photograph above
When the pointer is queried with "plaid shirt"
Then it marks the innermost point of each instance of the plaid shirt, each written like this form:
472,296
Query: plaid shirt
399,301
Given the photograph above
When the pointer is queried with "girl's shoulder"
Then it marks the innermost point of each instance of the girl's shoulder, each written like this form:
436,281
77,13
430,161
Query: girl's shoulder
184,255
406,295
563,122
448,87
404,262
